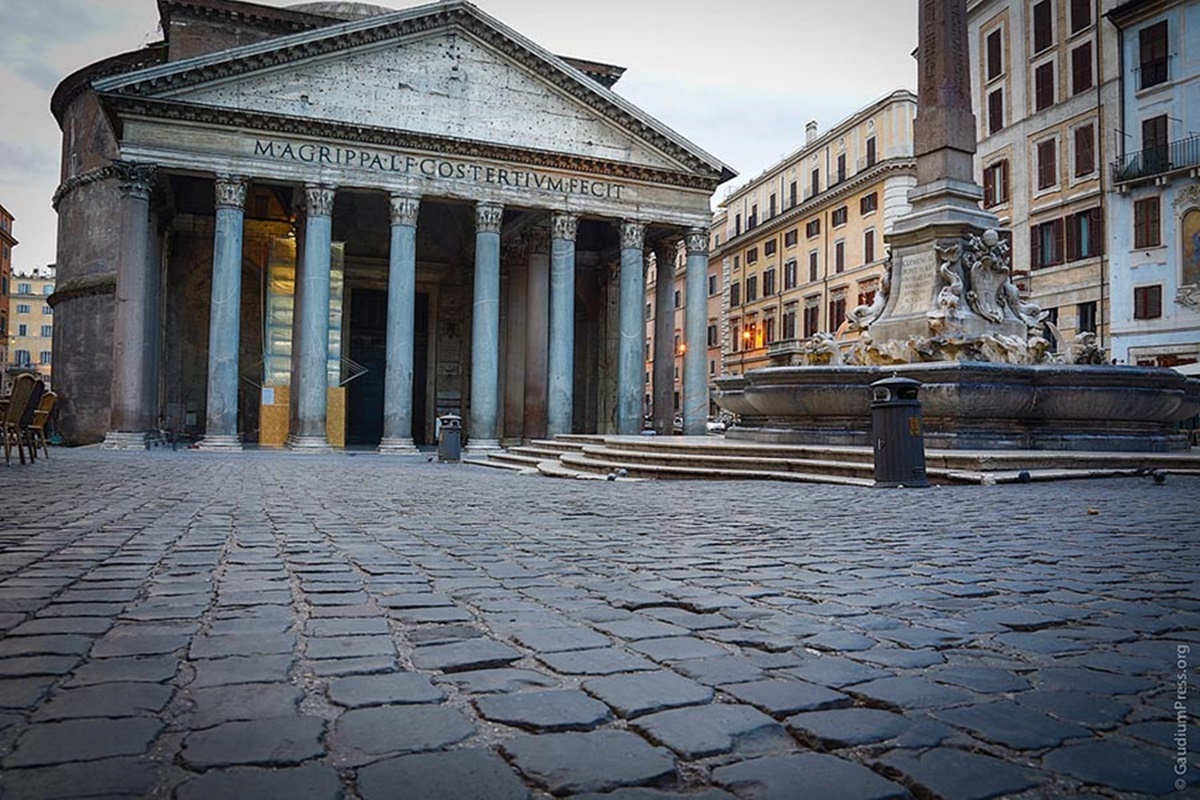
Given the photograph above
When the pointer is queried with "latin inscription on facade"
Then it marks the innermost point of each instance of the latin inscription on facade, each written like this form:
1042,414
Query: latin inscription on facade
917,272
431,167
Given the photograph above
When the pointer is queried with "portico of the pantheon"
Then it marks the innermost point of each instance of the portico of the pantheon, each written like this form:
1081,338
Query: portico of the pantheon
334,223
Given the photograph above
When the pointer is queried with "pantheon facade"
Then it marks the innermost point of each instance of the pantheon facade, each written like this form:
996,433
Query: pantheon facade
332,224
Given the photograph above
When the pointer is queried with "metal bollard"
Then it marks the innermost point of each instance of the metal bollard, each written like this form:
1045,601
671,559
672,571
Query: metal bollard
896,427
450,438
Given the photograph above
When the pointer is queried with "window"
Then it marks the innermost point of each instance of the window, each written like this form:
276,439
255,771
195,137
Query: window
1081,15
789,322
769,283
735,334
812,318
841,167
839,257
712,370
1043,86
813,228
22,330
837,313
840,215
1043,25
1147,302
21,358
816,181
44,357
47,310
866,296
752,256
649,311
791,237
751,288
769,247
735,294
47,330
678,299
769,329
1154,144
868,247
24,288
1084,234
713,285
1047,164
789,274
47,290
737,225
868,204
752,220
812,266
1152,42
22,308
1046,244
1190,229
712,334
995,184
995,111
995,55
792,195
774,209
1085,317
1081,68
737,262
1146,230
1085,150
872,157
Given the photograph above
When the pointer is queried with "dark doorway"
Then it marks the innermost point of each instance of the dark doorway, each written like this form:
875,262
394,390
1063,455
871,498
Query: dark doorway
368,346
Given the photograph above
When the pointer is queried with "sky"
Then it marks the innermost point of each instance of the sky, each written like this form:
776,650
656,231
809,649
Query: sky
740,78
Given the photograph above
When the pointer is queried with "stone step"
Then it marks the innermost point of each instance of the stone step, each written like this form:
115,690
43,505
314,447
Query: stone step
592,463
734,463
715,445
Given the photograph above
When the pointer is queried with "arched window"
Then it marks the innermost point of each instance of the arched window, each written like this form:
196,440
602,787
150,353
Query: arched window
1190,272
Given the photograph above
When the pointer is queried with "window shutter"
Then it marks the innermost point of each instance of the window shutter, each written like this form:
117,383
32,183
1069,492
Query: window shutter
1096,232
1057,256
1072,237
989,186
1035,246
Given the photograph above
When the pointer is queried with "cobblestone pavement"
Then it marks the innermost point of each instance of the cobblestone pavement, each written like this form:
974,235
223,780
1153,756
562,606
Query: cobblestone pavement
265,625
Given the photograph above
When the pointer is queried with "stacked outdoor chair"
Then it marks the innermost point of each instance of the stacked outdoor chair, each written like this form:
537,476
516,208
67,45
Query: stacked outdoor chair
35,431
20,401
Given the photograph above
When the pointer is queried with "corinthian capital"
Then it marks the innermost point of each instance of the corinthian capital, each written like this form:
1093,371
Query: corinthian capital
318,200
697,242
405,210
134,179
633,235
230,191
564,226
537,240
488,217
666,250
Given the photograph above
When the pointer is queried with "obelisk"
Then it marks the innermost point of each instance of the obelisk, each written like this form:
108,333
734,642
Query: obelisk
928,243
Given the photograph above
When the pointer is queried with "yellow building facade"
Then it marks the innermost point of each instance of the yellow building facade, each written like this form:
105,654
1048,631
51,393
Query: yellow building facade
7,243
804,243
31,322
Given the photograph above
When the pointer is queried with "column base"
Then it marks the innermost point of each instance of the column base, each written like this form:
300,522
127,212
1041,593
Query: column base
219,442
311,445
481,447
122,440
398,447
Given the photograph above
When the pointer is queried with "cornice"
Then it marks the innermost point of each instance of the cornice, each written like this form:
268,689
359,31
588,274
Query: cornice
83,179
81,80
387,137
284,20
829,196
87,286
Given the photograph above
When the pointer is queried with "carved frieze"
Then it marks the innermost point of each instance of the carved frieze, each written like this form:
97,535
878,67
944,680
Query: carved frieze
318,200
488,217
230,191
564,226
633,235
405,210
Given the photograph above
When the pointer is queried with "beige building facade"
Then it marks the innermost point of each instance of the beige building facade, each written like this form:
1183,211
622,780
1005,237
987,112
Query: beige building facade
802,245
31,320
7,243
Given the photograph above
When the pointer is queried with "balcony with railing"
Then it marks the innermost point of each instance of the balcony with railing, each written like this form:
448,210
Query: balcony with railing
1160,160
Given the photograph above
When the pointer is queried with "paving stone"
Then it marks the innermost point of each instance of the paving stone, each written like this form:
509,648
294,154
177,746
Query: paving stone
946,772
106,610
421,616
87,625
654,794
458,774
349,647
1115,765
443,634
417,600
46,743
559,640
107,700
18,693
836,672
602,661
306,782
690,620
643,693
599,761
492,681
1081,679
249,701
150,669
110,777
265,742
241,669
848,727
545,712
60,644
354,626
29,666
980,679
465,656
362,665
241,644
389,730
721,671
118,642
907,692
840,642
1041,643
717,728
376,690
806,775
889,657
781,697
678,648
1004,722
639,627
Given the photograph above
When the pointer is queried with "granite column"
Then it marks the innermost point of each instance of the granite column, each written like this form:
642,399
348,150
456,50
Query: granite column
560,399
402,288
695,329
482,431
537,331
631,355
664,336
311,384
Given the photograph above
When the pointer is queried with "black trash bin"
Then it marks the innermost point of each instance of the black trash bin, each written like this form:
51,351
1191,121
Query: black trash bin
897,430
450,438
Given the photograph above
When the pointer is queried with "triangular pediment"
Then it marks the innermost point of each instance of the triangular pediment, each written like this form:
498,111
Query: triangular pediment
443,70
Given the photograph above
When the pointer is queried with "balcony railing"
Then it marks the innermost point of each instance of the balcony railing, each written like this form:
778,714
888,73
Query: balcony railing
1160,160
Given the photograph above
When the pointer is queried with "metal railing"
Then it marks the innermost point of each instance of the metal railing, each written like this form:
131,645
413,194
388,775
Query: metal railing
1159,160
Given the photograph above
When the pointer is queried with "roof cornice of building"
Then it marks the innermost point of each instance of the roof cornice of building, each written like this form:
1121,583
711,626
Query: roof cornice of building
840,129
830,196
1131,11
279,18
81,79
